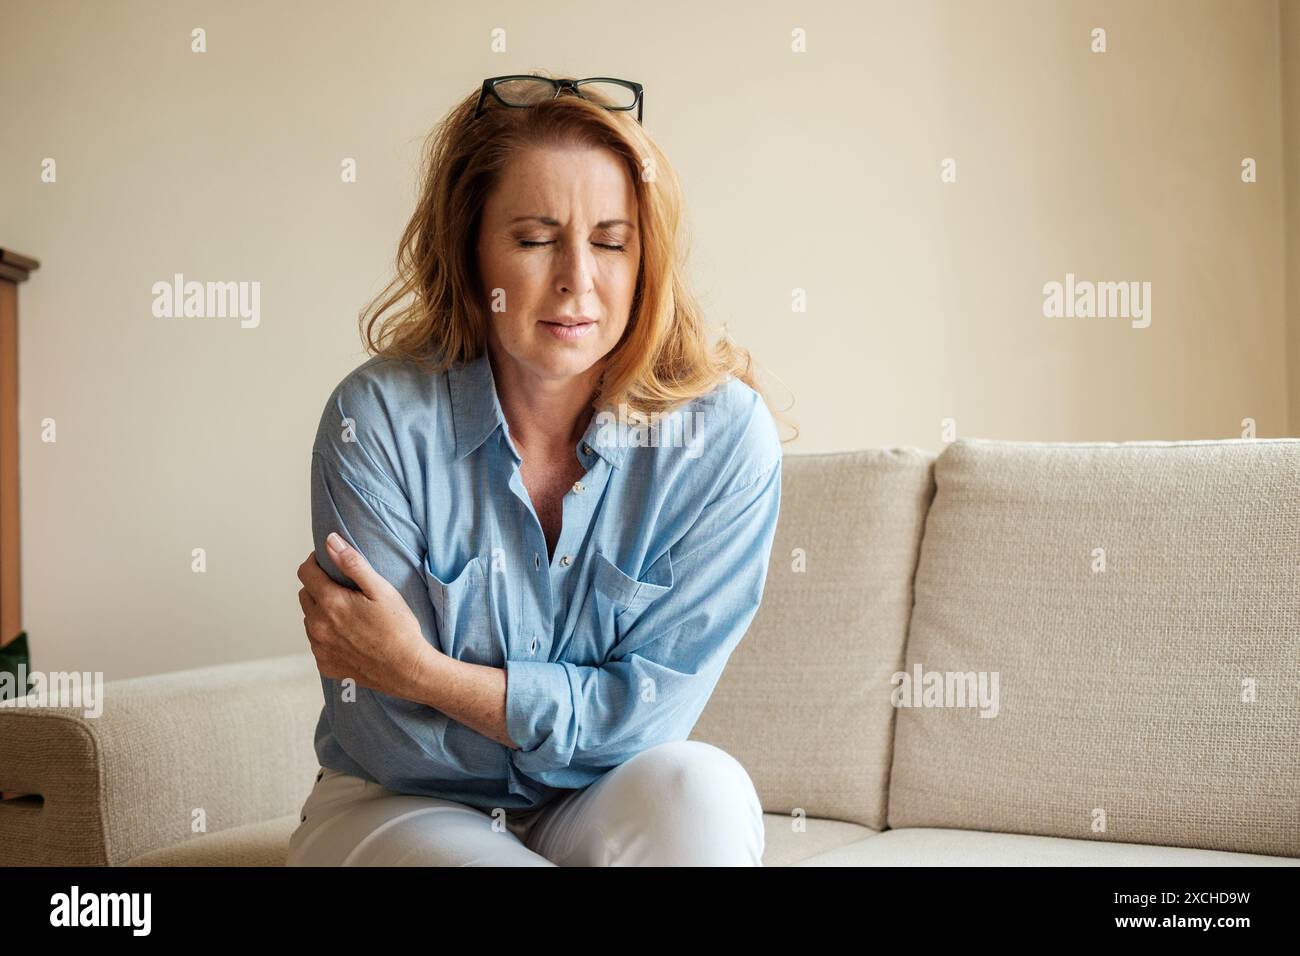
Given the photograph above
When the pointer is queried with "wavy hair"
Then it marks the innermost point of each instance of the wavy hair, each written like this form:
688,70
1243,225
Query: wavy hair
666,356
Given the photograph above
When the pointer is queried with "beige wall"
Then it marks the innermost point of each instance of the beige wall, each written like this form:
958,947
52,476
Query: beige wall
817,170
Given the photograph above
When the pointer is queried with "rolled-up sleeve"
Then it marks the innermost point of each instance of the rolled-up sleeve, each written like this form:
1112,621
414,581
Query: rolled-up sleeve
572,723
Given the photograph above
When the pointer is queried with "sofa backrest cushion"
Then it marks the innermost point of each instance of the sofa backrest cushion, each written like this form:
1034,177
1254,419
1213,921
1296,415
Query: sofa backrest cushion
794,703
1140,603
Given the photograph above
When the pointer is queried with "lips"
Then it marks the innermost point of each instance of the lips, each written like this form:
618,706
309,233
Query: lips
569,321
569,329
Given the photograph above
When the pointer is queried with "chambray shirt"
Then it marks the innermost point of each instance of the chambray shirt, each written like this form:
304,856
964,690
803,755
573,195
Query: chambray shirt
612,645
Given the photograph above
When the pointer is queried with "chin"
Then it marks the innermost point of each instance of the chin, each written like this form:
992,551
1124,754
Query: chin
562,363
563,359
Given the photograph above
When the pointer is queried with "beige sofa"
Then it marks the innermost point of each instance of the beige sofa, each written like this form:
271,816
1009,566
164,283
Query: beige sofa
1139,604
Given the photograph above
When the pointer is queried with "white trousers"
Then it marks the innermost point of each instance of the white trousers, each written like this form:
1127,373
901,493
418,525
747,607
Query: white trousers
683,803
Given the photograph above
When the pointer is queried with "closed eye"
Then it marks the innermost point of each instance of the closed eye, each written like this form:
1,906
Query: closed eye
532,244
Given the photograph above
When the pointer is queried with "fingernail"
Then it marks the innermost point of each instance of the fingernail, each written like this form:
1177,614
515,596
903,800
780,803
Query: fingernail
335,541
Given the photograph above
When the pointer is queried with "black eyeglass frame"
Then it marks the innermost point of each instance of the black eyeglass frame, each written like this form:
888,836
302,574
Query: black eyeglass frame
573,86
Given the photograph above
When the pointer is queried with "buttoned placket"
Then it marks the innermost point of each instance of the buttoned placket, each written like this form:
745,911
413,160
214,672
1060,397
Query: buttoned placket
578,506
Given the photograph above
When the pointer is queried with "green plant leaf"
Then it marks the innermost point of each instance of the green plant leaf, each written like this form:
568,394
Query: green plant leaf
11,656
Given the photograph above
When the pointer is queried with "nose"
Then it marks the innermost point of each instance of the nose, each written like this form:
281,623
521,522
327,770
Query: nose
574,275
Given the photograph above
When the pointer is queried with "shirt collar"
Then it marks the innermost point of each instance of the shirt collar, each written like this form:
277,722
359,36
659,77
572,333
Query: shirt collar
476,414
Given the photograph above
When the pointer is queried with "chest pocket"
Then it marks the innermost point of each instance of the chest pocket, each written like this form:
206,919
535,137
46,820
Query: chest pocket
614,603
463,611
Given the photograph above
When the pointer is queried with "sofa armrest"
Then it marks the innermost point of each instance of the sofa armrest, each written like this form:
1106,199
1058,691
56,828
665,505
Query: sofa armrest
222,746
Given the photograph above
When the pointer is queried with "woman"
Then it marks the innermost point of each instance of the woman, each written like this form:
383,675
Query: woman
542,515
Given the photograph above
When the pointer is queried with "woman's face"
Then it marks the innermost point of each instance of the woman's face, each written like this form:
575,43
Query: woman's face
559,251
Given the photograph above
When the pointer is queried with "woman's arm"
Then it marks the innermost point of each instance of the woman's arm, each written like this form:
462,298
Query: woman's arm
371,635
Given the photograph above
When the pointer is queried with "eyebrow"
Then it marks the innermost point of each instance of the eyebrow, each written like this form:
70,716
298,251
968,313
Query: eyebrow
549,221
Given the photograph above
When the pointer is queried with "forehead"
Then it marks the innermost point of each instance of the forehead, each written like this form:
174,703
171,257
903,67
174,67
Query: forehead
583,181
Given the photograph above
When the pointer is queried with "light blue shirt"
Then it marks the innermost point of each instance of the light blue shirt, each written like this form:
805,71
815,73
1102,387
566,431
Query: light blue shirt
610,647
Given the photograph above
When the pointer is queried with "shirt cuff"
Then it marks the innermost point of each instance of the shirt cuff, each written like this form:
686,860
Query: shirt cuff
539,703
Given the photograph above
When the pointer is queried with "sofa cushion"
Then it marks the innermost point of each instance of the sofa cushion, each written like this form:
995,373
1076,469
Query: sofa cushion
253,844
1149,699
267,843
930,847
787,844
795,704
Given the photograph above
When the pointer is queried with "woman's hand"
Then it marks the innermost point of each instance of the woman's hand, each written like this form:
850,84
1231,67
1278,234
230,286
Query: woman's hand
369,635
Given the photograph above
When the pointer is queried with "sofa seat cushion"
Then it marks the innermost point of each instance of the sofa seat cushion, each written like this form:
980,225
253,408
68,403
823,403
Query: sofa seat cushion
786,846
925,846
267,843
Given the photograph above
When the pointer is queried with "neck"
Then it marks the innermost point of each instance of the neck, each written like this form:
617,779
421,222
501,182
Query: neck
547,417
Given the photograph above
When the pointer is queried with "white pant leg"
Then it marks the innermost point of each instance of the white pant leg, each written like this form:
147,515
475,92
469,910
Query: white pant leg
349,821
683,803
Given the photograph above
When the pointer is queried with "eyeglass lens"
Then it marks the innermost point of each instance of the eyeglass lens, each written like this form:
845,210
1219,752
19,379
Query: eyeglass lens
526,92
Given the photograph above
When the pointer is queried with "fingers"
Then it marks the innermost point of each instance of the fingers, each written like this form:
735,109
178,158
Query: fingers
307,602
321,599
352,563
313,576
315,622
327,593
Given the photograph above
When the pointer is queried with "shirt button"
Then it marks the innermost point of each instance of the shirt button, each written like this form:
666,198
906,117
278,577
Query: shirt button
579,487
564,561
537,560
586,449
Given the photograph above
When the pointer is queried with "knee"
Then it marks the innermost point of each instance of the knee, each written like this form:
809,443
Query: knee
691,770
697,807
